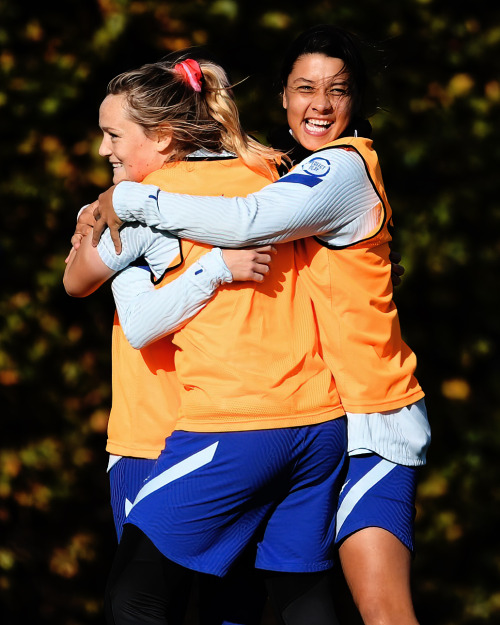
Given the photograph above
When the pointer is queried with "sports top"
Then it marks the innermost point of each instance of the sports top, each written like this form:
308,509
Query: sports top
145,395
350,285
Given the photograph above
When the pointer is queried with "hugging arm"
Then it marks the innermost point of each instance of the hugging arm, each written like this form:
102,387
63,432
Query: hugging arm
147,313
298,205
89,267
85,270
340,206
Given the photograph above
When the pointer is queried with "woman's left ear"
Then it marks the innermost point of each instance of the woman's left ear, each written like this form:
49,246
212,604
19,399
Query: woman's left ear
163,140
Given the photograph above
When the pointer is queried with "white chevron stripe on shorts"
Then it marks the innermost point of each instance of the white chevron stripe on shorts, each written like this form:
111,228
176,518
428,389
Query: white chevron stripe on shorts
196,461
383,468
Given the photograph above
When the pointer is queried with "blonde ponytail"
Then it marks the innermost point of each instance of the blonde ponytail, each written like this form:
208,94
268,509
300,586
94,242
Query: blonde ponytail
160,97
223,109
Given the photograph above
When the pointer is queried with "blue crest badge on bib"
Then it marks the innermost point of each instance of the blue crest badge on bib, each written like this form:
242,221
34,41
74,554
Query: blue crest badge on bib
317,167
312,173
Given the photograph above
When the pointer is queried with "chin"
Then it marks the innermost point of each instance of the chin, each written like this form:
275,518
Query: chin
314,144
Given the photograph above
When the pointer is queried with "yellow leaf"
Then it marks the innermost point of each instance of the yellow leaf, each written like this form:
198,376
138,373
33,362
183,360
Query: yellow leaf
456,389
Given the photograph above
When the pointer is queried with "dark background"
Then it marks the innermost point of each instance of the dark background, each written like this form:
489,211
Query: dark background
437,135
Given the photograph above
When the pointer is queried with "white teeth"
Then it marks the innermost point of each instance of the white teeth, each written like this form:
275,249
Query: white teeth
318,127
318,122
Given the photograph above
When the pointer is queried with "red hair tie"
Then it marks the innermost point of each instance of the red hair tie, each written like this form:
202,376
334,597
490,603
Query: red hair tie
190,72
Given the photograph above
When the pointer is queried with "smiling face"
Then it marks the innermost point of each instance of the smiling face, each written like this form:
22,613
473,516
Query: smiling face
132,154
316,100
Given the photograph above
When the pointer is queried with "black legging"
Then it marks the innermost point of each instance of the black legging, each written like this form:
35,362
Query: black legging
302,598
145,588
238,597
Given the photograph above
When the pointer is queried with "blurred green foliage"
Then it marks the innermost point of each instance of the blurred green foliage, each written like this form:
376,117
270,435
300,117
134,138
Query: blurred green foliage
438,137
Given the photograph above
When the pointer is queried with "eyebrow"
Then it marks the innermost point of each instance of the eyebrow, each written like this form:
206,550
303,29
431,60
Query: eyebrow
303,80
336,79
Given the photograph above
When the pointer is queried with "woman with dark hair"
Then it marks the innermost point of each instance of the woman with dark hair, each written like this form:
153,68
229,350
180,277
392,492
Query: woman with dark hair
333,203
331,42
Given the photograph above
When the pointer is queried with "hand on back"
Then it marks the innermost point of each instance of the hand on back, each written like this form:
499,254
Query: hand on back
249,264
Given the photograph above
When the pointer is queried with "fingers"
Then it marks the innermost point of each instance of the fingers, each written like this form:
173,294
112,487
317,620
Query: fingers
86,219
76,239
99,228
396,280
84,225
250,264
115,237
398,270
257,277
105,217
263,259
394,257
82,230
95,211
270,249
114,232
260,266
258,271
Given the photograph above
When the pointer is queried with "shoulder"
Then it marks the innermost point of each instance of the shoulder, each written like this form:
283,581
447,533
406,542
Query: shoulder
332,166
332,158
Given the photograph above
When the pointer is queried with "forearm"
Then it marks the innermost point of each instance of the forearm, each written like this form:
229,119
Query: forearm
147,313
85,270
89,267
289,209
159,249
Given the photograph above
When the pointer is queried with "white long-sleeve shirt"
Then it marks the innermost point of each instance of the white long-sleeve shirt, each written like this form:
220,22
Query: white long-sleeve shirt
146,313
328,195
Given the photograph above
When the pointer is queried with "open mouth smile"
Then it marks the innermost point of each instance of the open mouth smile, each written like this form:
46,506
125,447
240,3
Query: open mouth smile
317,126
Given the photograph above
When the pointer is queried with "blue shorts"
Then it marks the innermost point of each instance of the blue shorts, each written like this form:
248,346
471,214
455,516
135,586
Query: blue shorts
377,493
126,478
211,494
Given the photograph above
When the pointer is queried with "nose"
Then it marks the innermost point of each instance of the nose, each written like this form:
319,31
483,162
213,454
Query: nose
321,102
104,148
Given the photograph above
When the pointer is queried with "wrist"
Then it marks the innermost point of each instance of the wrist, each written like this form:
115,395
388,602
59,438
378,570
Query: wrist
131,200
215,268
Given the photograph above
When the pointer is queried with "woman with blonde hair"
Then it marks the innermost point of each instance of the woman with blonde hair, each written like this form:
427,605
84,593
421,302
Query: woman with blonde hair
258,440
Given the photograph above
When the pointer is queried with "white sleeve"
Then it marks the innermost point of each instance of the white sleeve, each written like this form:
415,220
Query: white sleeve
147,313
159,248
324,195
